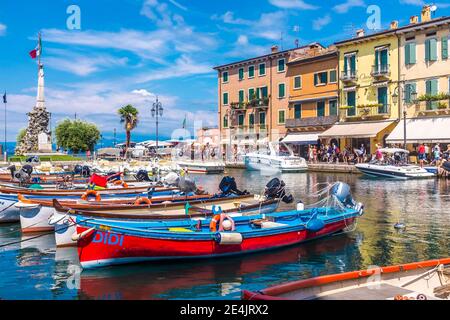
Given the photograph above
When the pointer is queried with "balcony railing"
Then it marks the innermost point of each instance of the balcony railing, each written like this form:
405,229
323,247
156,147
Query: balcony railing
237,105
438,107
375,111
349,75
311,122
258,103
382,70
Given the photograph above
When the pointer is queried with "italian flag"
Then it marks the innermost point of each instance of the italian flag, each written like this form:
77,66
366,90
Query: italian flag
38,50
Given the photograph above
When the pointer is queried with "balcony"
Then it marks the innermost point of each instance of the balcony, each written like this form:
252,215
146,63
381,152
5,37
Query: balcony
433,108
258,103
311,122
349,76
374,111
381,71
237,105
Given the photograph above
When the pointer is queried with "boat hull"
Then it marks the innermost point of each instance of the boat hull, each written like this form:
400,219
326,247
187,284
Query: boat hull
35,217
103,248
393,172
260,163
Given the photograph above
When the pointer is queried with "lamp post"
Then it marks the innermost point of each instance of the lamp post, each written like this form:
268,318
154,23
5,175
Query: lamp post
395,99
157,112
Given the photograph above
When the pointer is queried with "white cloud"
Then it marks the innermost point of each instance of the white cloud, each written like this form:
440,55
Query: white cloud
293,4
413,2
242,40
143,93
2,29
319,23
178,5
346,6
228,17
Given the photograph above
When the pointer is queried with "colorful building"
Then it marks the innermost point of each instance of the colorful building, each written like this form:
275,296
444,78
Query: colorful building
313,97
253,99
369,74
424,90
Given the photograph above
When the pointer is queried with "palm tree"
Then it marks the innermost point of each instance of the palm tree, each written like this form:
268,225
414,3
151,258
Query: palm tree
128,116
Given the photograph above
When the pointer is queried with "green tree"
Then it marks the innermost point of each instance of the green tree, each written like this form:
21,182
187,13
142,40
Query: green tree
129,117
21,135
77,135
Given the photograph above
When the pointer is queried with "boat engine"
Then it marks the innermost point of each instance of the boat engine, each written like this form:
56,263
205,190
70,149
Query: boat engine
32,159
83,171
142,175
341,191
228,186
276,189
23,175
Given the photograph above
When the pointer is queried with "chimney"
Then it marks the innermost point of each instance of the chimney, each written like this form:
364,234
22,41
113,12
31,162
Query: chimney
414,20
394,25
274,49
360,33
426,13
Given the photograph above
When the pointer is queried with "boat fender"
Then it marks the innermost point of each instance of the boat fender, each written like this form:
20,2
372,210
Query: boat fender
89,193
228,238
300,206
140,201
78,236
360,208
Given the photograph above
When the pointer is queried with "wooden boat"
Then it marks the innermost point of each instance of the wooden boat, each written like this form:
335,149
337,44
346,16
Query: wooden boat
103,245
35,213
65,220
426,280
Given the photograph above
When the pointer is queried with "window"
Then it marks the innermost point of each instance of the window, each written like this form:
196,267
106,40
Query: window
321,108
350,65
241,96
241,119
262,69
225,77
321,78
225,98
409,89
333,76
225,122
381,60
251,120
251,72
444,47
297,111
281,90
332,105
298,82
431,89
241,74
281,117
281,65
262,118
261,92
382,100
431,49
410,53
251,94
351,102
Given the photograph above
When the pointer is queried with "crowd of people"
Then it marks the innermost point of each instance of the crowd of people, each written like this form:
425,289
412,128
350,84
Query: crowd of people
433,156
331,153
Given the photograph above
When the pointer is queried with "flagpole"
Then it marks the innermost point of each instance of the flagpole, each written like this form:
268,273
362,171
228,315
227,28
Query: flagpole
5,151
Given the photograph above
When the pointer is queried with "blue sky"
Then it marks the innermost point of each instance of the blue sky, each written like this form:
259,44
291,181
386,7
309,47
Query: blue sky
158,47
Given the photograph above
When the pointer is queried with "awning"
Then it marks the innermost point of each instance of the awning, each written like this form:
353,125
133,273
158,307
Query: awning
431,130
346,89
380,84
301,138
368,129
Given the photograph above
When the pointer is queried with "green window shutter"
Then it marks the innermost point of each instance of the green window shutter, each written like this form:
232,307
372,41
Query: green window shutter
225,77
281,65
225,122
412,53
281,116
324,77
408,53
251,93
444,47
377,59
333,77
408,91
241,74
428,86
281,90
241,96
264,93
345,64
262,118
316,79
298,111
433,49
434,87
353,64
333,107
225,98
321,109
427,50
262,69
297,82
251,71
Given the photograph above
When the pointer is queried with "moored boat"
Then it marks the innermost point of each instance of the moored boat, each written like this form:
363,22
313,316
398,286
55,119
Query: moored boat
426,280
108,244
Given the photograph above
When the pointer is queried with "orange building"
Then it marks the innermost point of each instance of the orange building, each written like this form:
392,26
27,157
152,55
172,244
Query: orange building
313,97
254,98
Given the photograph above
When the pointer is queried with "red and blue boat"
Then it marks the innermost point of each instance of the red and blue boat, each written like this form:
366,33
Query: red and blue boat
103,245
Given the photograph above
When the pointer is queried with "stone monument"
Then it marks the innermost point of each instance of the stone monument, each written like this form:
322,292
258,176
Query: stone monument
37,138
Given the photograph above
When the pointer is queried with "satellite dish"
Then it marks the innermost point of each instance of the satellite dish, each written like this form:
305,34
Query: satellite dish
433,8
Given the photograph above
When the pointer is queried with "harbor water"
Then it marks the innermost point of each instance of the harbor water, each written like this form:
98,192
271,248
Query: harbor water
32,268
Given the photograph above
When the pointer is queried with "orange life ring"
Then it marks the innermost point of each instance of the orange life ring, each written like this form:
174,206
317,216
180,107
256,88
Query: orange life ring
125,185
213,224
140,201
89,193
117,182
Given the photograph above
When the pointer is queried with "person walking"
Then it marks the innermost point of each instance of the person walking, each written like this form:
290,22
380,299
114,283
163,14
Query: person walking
421,154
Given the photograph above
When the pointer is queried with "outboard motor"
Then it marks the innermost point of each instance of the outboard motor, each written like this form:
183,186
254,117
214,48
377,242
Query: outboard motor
276,189
23,175
228,186
142,175
171,179
342,192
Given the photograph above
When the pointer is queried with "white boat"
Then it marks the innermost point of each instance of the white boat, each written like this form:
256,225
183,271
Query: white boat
277,157
394,166
205,167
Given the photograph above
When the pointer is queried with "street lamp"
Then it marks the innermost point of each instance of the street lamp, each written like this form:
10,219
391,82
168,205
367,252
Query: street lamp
157,112
395,100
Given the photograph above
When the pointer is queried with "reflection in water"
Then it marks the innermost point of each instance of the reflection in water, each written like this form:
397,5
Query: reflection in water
36,270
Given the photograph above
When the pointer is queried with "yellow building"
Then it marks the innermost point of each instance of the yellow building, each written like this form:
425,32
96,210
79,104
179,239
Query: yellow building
369,76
